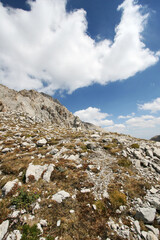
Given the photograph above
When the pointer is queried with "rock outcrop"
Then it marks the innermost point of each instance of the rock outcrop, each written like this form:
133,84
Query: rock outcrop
40,107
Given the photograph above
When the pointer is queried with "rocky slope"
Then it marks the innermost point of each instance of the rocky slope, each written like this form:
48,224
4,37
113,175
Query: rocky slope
64,183
39,107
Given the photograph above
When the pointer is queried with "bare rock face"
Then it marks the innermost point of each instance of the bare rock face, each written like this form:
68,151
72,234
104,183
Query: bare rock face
39,106
156,138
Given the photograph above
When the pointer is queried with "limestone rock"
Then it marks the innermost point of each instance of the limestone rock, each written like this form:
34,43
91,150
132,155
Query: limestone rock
41,142
3,228
35,172
15,235
60,196
147,215
10,186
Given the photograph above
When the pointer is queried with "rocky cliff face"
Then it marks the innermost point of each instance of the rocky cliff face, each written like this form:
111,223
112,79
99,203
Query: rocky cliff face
39,107
57,183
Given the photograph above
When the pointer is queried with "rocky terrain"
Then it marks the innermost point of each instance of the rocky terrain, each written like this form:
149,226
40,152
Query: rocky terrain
63,181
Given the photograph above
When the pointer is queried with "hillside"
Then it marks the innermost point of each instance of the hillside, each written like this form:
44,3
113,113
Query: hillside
62,182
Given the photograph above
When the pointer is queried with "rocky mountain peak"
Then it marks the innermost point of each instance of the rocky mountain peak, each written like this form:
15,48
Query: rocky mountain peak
38,106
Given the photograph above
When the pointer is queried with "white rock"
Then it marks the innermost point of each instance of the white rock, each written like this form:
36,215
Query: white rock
35,171
3,228
9,186
151,236
15,214
156,152
94,207
41,142
153,190
154,200
153,229
5,150
48,173
43,223
85,190
71,211
39,227
58,223
15,235
147,215
54,151
60,196
137,227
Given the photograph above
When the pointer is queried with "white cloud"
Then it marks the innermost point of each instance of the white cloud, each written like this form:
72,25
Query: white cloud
120,128
153,106
145,121
95,116
128,116
48,48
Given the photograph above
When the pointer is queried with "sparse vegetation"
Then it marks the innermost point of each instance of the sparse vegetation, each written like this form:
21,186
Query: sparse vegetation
24,199
124,162
30,233
117,198
135,145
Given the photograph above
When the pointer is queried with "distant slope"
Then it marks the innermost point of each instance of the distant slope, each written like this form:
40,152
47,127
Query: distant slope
156,138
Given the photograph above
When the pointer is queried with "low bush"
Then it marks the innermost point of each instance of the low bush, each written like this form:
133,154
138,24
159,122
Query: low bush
24,199
30,233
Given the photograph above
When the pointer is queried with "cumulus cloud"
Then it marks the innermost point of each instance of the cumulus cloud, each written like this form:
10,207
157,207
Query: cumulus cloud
116,128
144,121
95,116
128,116
48,48
153,106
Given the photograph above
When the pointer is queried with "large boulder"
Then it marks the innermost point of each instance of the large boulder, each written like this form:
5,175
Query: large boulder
147,215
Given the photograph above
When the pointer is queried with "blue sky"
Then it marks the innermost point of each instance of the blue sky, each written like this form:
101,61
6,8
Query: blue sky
100,58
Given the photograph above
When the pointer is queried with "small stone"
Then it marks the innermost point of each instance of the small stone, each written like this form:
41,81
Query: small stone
5,150
58,223
39,227
60,196
85,190
71,211
43,223
41,142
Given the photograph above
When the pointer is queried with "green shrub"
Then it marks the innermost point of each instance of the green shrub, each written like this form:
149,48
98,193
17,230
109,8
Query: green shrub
135,145
124,162
24,199
30,233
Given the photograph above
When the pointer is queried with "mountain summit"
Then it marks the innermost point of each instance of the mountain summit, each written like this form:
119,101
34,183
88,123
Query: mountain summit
40,107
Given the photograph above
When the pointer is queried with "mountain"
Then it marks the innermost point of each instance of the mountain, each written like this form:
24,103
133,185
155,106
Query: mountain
156,138
61,182
40,107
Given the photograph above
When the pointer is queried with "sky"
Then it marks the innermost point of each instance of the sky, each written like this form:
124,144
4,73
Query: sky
99,58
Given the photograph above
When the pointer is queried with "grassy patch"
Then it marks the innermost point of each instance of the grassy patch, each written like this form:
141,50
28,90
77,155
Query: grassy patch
135,145
24,199
30,233
117,198
124,162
